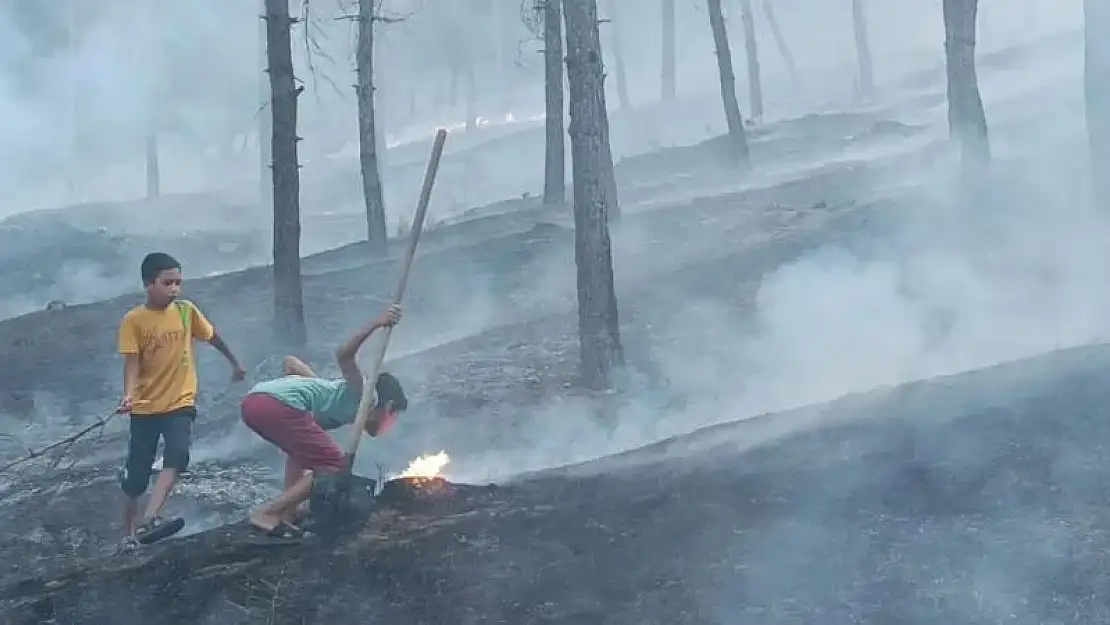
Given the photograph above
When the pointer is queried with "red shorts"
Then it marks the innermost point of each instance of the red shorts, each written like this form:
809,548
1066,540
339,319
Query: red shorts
294,431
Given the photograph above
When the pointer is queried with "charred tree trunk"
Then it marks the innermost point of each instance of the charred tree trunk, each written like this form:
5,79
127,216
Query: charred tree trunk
454,82
618,56
780,41
153,171
612,205
471,97
669,81
289,326
967,122
372,195
738,141
1096,18
265,123
598,326
751,47
554,166
157,99
866,86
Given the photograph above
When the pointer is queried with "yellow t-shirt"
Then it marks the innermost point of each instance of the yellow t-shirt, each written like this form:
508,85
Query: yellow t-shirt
162,340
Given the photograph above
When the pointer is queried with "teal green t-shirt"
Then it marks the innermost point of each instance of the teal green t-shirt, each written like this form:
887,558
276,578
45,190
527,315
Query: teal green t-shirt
329,400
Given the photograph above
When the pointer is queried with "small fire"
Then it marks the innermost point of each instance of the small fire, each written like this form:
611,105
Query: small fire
428,466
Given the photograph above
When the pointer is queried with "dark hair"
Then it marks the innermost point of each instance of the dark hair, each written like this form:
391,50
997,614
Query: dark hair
155,263
390,392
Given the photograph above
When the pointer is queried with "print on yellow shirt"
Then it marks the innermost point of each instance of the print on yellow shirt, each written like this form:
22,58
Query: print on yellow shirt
163,339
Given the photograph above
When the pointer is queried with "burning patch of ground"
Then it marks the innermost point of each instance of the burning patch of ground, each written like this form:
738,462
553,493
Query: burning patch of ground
974,498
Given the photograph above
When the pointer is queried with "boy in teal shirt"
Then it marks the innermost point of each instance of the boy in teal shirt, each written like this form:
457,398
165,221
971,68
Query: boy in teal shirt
295,411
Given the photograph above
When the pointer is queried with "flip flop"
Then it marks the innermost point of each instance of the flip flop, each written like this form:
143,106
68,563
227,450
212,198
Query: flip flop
158,528
283,530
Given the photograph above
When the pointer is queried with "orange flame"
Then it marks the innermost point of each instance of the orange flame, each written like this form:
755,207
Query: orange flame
427,466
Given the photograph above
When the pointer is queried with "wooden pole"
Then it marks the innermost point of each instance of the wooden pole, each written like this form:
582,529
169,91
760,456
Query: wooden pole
366,403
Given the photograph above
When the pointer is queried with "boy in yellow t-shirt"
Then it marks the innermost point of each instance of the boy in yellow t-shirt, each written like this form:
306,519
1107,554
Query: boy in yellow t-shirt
159,391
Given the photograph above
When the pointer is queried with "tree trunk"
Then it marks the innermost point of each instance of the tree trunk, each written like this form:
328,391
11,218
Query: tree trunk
265,124
454,82
612,200
738,141
618,56
376,235
866,86
289,326
1096,18
153,171
967,122
598,326
668,74
751,46
780,41
554,166
471,97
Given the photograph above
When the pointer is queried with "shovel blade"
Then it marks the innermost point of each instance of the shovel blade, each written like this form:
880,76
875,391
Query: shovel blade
340,502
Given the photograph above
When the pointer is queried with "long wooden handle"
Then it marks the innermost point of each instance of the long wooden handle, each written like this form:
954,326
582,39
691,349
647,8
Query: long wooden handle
366,402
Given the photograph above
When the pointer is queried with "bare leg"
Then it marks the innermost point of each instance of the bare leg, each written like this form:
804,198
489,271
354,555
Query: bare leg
293,472
130,511
273,513
163,486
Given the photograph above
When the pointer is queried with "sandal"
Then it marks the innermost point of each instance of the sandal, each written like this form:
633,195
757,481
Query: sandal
283,530
157,528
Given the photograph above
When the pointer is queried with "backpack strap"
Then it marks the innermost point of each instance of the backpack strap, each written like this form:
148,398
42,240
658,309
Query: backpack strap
183,306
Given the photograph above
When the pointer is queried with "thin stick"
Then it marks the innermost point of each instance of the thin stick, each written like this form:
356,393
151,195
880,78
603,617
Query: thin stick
65,443
365,404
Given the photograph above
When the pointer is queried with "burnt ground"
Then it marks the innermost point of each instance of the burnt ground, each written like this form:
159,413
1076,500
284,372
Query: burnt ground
874,524
975,498
470,395
509,350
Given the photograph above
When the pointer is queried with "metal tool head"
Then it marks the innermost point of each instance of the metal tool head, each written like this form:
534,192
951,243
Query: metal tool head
340,502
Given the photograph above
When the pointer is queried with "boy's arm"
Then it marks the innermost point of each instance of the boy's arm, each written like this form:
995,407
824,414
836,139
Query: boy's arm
130,380
237,370
347,353
346,356
203,329
128,341
296,366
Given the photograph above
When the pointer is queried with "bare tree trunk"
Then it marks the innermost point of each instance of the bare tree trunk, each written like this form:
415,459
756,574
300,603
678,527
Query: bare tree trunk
554,166
866,86
73,94
598,325
289,326
156,93
669,81
381,148
618,56
265,123
471,97
376,235
967,122
751,47
1096,83
153,171
738,141
454,82
609,170
780,41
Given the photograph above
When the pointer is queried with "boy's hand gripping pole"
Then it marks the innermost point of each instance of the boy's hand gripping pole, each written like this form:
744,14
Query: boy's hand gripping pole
366,403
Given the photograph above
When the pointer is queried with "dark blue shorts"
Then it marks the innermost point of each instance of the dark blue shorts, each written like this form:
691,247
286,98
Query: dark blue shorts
175,429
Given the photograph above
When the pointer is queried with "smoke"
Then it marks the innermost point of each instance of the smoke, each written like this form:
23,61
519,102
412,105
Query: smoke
936,278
